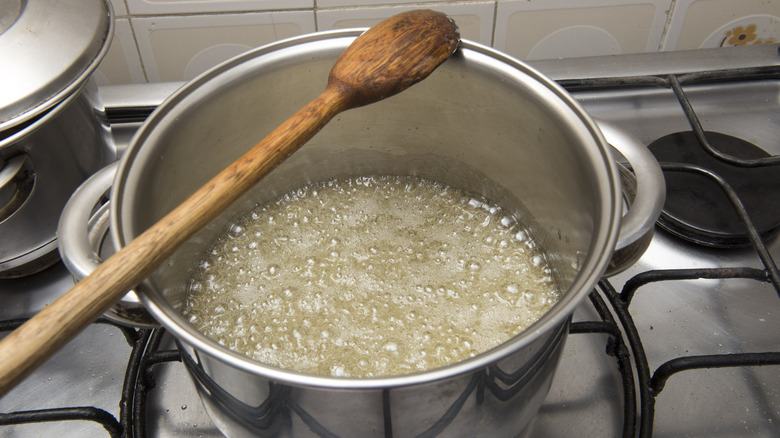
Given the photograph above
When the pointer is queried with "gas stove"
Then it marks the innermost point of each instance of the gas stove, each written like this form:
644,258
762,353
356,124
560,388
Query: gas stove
684,343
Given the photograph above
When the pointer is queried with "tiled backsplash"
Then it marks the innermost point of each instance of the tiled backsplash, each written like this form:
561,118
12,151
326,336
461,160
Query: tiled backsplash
175,40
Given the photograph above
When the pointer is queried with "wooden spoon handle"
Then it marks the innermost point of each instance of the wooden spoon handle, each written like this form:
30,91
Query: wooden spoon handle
386,59
31,344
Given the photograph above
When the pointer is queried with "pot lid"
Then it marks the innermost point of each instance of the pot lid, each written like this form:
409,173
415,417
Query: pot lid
49,48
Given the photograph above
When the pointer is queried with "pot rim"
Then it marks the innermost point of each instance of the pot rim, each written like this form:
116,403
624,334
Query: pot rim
43,118
605,235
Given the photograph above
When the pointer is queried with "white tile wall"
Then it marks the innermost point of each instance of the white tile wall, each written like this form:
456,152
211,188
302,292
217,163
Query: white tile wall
172,40
475,19
337,3
176,48
190,6
122,65
562,28
120,9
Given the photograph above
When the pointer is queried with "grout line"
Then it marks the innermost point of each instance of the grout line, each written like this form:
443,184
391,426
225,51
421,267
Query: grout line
135,41
667,25
495,20
314,11
137,48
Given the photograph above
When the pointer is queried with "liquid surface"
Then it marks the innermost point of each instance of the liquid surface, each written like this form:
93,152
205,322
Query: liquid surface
373,276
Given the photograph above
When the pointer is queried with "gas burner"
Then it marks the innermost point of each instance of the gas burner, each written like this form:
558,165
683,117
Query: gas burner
698,210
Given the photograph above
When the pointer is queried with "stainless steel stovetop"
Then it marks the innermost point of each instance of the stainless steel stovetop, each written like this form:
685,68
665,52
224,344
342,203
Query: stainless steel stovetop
607,384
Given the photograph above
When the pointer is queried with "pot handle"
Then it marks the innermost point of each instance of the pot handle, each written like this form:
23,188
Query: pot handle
16,184
645,190
78,254
81,231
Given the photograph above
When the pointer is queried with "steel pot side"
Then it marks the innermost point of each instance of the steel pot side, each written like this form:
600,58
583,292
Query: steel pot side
497,400
483,122
59,151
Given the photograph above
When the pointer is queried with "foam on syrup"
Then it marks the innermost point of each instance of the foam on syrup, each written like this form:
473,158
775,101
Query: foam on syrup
371,276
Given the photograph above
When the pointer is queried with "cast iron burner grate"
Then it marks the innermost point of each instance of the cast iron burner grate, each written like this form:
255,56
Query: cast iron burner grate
697,209
745,217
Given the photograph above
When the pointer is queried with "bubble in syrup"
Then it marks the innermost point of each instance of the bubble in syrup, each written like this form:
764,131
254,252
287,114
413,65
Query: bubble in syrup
235,230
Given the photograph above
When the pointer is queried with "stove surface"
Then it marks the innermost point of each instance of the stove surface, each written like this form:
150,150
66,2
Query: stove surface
673,318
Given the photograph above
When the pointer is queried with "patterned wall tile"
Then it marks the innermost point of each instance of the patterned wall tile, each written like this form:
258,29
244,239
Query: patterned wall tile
719,23
175,48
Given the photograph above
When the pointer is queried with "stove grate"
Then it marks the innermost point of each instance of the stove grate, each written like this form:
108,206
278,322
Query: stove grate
650,385
84,413
675,83
114,428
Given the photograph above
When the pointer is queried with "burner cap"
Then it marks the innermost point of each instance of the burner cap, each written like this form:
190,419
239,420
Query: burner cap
698,210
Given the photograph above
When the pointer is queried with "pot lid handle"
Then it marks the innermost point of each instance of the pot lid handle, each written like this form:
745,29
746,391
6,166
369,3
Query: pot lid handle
49,49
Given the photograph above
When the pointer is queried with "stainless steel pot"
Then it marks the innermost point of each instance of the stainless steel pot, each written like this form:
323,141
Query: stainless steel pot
53,131
483,122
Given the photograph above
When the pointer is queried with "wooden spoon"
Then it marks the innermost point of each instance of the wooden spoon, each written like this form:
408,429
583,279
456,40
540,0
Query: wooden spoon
383,61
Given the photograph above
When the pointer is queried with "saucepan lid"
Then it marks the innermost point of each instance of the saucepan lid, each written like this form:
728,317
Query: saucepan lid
50,48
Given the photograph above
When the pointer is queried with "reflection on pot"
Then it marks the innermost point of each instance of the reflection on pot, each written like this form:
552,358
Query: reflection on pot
282,410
